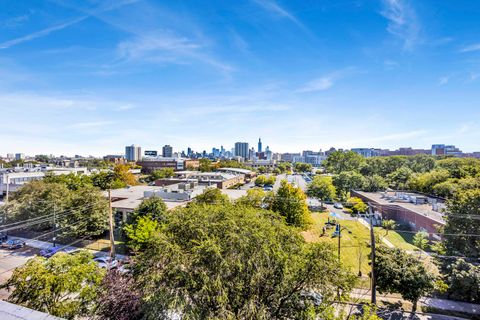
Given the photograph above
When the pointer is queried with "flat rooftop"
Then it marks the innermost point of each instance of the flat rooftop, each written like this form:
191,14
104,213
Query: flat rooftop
421,209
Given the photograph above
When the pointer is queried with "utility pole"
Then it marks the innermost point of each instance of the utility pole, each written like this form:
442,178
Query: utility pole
372,245
7,179
110,215
339,242
54,224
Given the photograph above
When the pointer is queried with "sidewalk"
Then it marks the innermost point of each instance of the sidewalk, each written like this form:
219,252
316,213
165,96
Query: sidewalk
442,304
45,245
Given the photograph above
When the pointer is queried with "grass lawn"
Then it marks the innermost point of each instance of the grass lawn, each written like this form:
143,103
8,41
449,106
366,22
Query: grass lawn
354,245
400,240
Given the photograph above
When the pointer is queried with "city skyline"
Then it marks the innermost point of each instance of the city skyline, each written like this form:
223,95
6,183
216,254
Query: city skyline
91,77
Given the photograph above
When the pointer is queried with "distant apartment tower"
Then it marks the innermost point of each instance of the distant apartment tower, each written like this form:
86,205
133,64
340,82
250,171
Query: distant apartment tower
133,153
445,150
167,151
241,150
19,156
367,152
259,145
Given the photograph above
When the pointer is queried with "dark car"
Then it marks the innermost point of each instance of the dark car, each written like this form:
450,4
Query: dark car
47,253
13,244
3,237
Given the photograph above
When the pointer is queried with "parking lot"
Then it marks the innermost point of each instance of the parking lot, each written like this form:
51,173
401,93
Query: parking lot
11,259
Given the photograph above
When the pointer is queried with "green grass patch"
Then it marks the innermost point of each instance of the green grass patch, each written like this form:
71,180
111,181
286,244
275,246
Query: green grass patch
355,249
400,240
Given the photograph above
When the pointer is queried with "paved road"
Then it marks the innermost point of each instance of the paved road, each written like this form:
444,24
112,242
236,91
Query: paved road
9,260
297,179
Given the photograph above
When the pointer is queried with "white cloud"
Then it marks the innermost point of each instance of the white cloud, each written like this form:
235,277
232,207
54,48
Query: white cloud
402,22
165,46
443,80
275,8
58,27
471,48
90,124
325,82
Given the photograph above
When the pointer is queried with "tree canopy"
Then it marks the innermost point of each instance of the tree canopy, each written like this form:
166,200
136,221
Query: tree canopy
64,285
290,202
231,262
399,272
322,188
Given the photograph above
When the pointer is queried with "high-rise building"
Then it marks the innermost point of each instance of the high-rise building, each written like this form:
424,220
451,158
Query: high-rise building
19,156
259,145
167,151
445,150
133,153
241,150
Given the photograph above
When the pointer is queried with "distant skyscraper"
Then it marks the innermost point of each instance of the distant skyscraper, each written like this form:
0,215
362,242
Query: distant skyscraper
19,156
259,145
241,149
167,151
133,153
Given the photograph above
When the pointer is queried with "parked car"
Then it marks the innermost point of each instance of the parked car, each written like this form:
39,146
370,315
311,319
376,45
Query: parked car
338,205
3,237
47,253
13,244
106,262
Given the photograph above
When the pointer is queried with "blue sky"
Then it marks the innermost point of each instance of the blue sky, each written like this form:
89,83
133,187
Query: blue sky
89,77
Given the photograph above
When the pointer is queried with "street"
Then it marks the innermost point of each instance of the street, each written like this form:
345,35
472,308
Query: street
11,259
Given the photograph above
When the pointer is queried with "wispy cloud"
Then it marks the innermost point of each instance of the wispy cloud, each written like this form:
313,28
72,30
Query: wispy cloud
14,22
166,46
402,22
58,27
275,8
41,33
443,80
471,48
89,125
325,82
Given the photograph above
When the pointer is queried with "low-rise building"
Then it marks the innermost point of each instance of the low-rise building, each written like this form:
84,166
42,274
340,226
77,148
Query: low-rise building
420,212
152,164
221,180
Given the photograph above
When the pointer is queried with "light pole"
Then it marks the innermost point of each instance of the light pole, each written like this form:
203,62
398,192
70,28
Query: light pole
339,233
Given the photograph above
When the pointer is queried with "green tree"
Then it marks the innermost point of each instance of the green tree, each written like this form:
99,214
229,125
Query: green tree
388,225
374,183
73,181
356,205
346,181
399,179
322,188
140,232
205,165
461,219
399,272
161,174
212,196
88,214
235,262
303,167
255,197
64,285
261,180
420,240
153,207
79,213
463,280
340,161
290,202
425,182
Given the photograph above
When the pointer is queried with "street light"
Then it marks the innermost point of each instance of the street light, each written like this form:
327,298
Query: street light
338,233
